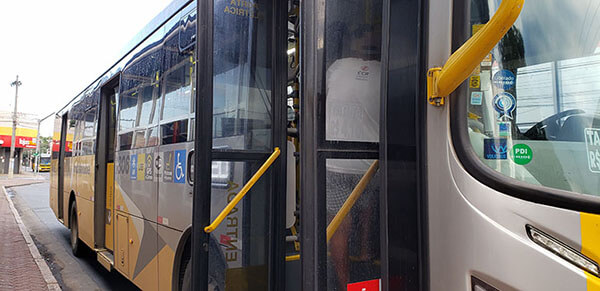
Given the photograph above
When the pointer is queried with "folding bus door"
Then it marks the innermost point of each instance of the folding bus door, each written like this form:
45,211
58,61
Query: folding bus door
359,136
240,128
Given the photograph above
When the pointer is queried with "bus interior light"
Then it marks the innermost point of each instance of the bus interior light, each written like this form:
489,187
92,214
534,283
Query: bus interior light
562,250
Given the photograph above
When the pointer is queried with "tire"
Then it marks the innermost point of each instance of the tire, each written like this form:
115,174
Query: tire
76,244
216,273
186,279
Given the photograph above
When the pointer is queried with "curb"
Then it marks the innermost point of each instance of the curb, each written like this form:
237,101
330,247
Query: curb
51,282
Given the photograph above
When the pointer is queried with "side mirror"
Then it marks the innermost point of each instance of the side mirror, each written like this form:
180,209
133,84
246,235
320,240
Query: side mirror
443,81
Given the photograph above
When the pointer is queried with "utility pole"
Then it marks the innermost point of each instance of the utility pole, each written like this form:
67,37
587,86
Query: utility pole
11,165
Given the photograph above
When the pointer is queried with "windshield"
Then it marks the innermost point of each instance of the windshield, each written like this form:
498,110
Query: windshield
44,160
534,101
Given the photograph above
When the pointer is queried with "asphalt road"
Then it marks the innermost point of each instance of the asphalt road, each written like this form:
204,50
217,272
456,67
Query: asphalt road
52,240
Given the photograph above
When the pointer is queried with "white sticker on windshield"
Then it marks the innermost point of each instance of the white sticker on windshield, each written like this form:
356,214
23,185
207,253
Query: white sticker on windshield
592,145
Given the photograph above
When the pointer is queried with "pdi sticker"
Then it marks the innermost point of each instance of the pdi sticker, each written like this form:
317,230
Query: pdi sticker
522,154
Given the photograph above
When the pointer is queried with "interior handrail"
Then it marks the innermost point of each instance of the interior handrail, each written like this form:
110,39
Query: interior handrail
358,190
210,228
443,81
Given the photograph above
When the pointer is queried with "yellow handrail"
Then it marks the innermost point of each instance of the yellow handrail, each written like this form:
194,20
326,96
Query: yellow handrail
345,209
443,81
347,206
210,228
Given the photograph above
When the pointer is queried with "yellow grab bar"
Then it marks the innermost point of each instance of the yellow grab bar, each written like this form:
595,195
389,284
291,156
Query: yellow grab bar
292,258
345,209
443,81
242,192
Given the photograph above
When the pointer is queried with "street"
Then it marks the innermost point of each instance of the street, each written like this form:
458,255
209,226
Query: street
52,240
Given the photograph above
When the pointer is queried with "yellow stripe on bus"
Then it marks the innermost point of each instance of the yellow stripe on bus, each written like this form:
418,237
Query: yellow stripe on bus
590,245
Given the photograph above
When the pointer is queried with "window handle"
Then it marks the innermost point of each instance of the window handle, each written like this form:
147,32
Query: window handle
190,168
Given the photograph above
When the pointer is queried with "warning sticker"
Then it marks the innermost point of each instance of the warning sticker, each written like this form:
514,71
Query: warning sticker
372,285
592,145
487,61
475,82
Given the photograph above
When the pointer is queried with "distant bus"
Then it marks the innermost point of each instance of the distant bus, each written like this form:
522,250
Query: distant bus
44,165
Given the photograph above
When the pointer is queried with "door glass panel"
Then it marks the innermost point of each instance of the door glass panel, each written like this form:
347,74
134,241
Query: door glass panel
353,69
534,102
242,75
238,247
353,250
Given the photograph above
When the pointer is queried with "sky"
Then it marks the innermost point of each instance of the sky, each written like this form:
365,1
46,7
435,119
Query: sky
59,47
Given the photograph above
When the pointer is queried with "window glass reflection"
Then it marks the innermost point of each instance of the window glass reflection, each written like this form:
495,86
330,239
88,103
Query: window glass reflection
534,102
242,68
353,250
140,85
238,248
353,62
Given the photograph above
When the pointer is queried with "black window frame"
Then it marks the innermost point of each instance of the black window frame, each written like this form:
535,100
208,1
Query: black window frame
475,167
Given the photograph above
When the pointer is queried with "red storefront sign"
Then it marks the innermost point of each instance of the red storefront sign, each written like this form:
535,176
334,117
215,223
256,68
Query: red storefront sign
372,285
68,146
21,141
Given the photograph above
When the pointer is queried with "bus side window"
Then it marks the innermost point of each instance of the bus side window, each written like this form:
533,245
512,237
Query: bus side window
178,85
187,33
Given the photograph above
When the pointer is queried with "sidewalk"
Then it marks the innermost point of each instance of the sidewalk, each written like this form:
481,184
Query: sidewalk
21,266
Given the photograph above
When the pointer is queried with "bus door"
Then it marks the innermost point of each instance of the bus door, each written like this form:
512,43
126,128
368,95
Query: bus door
63,152
105,152
240,126
360,193
137,162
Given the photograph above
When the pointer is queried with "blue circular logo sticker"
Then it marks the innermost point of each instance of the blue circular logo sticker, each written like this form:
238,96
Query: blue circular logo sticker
505,104
504,79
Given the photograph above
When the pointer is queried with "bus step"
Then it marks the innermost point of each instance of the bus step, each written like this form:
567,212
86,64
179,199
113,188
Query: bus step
106,259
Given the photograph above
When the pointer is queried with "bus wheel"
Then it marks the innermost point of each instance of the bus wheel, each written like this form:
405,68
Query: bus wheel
76,246
186,280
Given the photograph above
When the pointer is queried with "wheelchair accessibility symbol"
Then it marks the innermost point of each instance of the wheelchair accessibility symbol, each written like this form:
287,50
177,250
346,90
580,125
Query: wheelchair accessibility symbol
179,167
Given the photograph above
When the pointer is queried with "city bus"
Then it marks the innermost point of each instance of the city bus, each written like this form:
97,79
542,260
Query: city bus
44,161
342,145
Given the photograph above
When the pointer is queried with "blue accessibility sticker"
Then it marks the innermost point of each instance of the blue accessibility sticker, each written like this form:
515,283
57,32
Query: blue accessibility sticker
133,167
495,148
179,167
505,104
504,79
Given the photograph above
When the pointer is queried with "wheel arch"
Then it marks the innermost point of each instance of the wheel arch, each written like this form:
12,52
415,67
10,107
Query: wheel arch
184,242
71,201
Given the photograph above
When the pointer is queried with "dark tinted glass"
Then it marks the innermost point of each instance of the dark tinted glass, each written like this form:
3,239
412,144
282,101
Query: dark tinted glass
174,132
